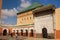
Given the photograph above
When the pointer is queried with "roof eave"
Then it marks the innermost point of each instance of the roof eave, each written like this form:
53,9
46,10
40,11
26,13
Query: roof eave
28,10
45,8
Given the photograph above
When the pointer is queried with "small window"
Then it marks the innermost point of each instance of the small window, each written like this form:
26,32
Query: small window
17,30
30,17
27,18
21,32
22,19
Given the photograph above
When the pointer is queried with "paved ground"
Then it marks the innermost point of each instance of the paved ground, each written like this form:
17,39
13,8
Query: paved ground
22,38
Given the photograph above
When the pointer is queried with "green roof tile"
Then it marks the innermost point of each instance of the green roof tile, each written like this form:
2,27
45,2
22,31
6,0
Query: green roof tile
44,8
32,6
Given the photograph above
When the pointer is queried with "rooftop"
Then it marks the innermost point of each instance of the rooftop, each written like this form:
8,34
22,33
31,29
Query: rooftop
37,7
32,6
50,6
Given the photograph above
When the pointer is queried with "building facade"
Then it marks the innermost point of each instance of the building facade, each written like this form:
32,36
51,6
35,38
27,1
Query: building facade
40,16
44,19
36,21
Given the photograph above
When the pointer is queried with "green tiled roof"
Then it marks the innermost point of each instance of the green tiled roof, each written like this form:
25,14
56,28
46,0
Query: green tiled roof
50,6
32,6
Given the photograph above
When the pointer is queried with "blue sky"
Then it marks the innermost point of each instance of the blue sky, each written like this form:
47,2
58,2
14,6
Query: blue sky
11,7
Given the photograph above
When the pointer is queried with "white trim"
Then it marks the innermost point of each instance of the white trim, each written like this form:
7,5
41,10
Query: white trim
4,29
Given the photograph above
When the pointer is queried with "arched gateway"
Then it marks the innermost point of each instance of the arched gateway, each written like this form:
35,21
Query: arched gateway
4,32
26,32
31,34
44,33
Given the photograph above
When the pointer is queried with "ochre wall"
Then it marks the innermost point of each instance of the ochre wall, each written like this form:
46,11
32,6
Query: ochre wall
10,30
0,14
0,7
24,18
1,30
57,34
57,15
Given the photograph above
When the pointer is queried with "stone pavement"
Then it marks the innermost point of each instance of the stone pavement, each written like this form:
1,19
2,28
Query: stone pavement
22,38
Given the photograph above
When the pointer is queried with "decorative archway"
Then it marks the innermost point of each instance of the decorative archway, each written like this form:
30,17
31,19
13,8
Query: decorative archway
44,33
21,32
4,32
17,32
31,34
26,32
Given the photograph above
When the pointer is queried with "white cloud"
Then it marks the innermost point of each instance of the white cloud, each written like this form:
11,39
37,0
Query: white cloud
22,0
24,4
8,13
12,12
4,23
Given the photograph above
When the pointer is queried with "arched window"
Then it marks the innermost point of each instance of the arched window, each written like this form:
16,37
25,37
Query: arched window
4,32
26,32
44,32
30,18
21,32
31,34
17,32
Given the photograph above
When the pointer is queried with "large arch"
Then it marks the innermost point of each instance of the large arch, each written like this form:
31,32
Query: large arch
4,32
31,33
21,32
26,32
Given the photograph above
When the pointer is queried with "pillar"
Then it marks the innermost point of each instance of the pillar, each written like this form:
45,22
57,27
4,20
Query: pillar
57,23
34,33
